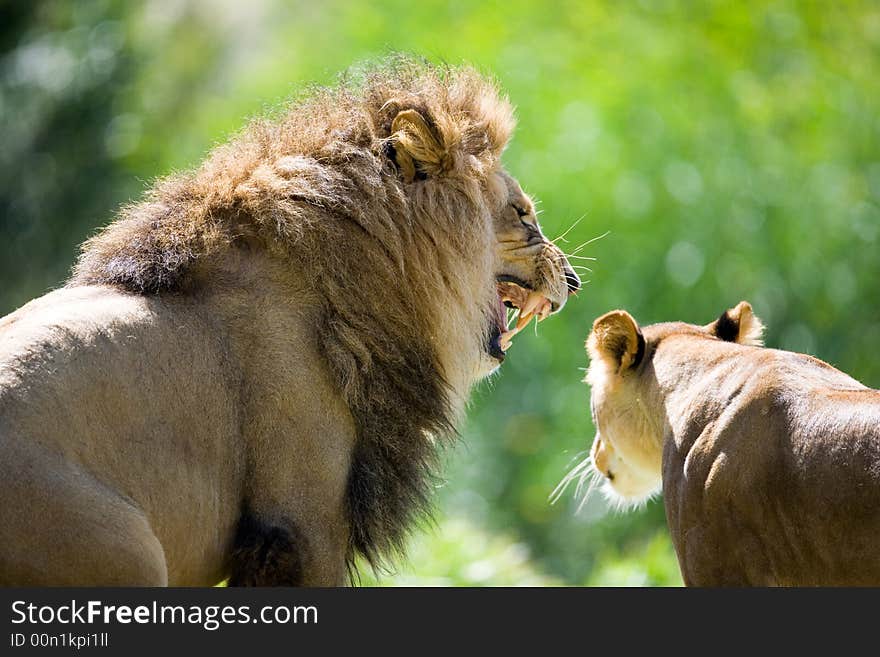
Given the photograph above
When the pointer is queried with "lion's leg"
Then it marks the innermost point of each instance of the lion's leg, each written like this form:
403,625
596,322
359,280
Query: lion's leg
294,528
59,526
266,555
287,553
300,436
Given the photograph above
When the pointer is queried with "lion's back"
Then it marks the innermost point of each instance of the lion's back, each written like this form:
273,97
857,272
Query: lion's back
96,355
114,381
131,391
74,340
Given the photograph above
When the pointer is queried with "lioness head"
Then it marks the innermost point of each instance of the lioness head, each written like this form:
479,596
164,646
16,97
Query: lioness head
625,396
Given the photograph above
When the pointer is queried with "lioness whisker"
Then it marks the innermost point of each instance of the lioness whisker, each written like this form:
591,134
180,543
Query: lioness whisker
579,472
564,482
595,481
577,458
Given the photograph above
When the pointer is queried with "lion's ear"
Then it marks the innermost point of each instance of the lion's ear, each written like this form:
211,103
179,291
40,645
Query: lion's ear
419,148
739,324
617,340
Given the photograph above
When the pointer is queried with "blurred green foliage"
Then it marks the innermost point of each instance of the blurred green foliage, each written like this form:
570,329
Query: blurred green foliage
731,149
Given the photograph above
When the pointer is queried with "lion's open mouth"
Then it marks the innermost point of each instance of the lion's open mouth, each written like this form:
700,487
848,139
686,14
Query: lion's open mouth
515,296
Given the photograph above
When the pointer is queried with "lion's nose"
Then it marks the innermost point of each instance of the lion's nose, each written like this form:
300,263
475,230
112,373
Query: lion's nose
572,281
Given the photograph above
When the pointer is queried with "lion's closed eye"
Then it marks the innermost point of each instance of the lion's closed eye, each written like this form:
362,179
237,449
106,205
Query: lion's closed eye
522,213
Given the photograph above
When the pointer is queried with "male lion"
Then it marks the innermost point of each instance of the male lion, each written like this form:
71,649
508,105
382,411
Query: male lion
770,460
248,371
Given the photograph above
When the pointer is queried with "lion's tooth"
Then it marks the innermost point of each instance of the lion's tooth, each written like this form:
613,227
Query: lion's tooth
544,312
523,320
505,340
531,304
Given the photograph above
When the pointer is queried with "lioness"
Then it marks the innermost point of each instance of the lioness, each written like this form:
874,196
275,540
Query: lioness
249,370
770,460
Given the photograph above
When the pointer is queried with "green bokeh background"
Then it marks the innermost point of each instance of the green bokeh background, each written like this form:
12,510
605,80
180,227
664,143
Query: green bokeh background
731,149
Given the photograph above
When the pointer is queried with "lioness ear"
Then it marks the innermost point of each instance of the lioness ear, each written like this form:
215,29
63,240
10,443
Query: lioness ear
617,340
419,148
739,324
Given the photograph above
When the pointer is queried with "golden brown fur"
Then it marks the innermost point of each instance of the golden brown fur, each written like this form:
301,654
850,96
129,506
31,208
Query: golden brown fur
770,460
250,371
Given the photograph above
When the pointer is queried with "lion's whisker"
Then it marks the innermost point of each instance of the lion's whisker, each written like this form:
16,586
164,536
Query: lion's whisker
569,229
595,239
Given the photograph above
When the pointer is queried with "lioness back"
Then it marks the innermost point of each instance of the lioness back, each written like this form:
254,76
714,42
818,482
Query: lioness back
769,461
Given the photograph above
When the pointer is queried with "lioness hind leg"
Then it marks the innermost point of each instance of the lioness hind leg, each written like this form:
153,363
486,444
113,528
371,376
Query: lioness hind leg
59,526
